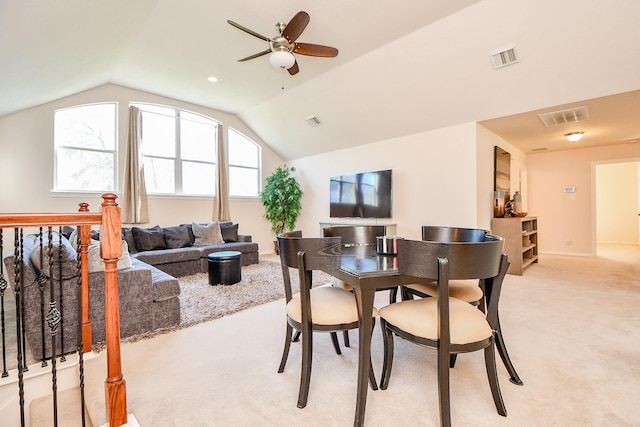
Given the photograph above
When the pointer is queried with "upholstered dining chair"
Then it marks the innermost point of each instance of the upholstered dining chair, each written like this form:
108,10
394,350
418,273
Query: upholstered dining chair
334,336
471,291
444,323
314,309
466,290
355,235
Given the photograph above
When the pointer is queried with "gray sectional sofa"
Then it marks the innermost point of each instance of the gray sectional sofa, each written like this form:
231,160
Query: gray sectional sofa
149,292
179,255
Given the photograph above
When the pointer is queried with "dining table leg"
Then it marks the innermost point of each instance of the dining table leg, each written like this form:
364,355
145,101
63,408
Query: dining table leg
365,308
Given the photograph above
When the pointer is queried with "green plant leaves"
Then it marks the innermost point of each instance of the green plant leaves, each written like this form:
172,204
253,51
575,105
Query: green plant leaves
281,199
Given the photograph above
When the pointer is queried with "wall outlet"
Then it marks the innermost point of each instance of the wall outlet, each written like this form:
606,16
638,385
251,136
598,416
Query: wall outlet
567,242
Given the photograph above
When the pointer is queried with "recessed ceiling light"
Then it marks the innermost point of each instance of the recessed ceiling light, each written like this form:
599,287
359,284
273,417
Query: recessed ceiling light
212,79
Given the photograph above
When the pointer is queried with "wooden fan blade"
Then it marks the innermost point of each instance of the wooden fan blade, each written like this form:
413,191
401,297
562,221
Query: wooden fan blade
315,50
294,69
246,30
296,26
255,55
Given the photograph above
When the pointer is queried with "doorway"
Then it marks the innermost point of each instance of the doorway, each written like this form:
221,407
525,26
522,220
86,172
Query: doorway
617,190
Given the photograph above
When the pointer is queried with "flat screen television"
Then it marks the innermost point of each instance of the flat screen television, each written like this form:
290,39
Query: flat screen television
361,195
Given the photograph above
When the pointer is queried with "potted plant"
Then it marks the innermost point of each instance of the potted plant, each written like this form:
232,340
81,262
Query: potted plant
281,199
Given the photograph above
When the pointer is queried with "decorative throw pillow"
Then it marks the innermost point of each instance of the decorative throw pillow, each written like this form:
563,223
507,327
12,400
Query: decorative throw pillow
208,234
177,237
97,264
64,256
127,236
229,232
148,239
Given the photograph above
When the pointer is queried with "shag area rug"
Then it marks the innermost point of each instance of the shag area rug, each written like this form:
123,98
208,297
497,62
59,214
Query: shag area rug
199,301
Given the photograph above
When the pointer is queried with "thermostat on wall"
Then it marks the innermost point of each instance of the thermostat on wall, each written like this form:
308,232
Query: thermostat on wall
569,189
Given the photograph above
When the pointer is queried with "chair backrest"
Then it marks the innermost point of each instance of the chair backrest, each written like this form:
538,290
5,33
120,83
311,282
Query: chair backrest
306,255
456,260
493,287
355,234
452,234
466,260
294,233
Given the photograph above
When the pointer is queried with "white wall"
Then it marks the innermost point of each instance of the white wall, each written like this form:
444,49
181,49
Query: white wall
441,177
26,175
567,221
617,203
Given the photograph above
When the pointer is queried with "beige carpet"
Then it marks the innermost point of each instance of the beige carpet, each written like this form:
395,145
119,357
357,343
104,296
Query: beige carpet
201,302
572,327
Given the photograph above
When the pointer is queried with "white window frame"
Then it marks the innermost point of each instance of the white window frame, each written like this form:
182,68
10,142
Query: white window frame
113,152
258,162
177,159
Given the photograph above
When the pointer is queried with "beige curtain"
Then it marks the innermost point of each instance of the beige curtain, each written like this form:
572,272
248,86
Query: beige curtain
134,194
221,207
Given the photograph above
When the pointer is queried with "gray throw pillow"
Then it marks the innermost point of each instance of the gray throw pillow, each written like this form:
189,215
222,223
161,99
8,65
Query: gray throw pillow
229,232
177,237
208,234
96,263
148,239
64,256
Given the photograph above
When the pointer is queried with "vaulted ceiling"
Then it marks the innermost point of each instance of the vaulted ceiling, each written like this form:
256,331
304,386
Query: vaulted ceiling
404,67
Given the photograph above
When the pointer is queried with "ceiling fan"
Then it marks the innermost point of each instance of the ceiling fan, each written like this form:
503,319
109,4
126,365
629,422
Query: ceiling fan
283,46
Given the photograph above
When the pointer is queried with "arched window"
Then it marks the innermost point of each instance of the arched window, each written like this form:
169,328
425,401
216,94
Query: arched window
244,165
179,150
85,149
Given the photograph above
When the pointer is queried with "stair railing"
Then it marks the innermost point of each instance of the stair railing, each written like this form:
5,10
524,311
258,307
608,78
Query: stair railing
109,219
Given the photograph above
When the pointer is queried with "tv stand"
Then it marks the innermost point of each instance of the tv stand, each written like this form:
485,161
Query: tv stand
390,229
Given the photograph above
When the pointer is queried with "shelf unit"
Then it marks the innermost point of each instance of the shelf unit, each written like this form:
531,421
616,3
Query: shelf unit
520,240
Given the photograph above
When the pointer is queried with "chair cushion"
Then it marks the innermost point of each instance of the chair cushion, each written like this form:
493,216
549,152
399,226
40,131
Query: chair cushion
420,318
466,290
330,305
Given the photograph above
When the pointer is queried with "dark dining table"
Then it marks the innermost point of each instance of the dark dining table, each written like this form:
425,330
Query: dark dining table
367,272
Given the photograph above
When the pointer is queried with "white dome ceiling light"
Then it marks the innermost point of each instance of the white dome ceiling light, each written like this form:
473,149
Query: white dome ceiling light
574,136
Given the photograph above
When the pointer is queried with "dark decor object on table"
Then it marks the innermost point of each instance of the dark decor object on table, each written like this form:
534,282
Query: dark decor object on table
225,268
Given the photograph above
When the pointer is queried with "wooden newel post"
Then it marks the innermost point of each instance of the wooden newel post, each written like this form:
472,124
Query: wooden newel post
85,239
111,250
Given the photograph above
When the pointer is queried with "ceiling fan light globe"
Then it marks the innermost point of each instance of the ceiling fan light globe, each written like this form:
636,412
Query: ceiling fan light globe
282,59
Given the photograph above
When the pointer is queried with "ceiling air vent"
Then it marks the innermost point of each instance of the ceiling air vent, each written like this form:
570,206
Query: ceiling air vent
503,57
572,115
313,121
539,149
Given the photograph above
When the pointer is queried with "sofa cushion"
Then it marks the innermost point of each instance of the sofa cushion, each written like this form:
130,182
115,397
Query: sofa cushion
65,258
148,239
177,237
208,234
165,256
164,286
229,232
97,264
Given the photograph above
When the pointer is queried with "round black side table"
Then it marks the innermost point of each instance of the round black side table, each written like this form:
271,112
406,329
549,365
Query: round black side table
225,268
